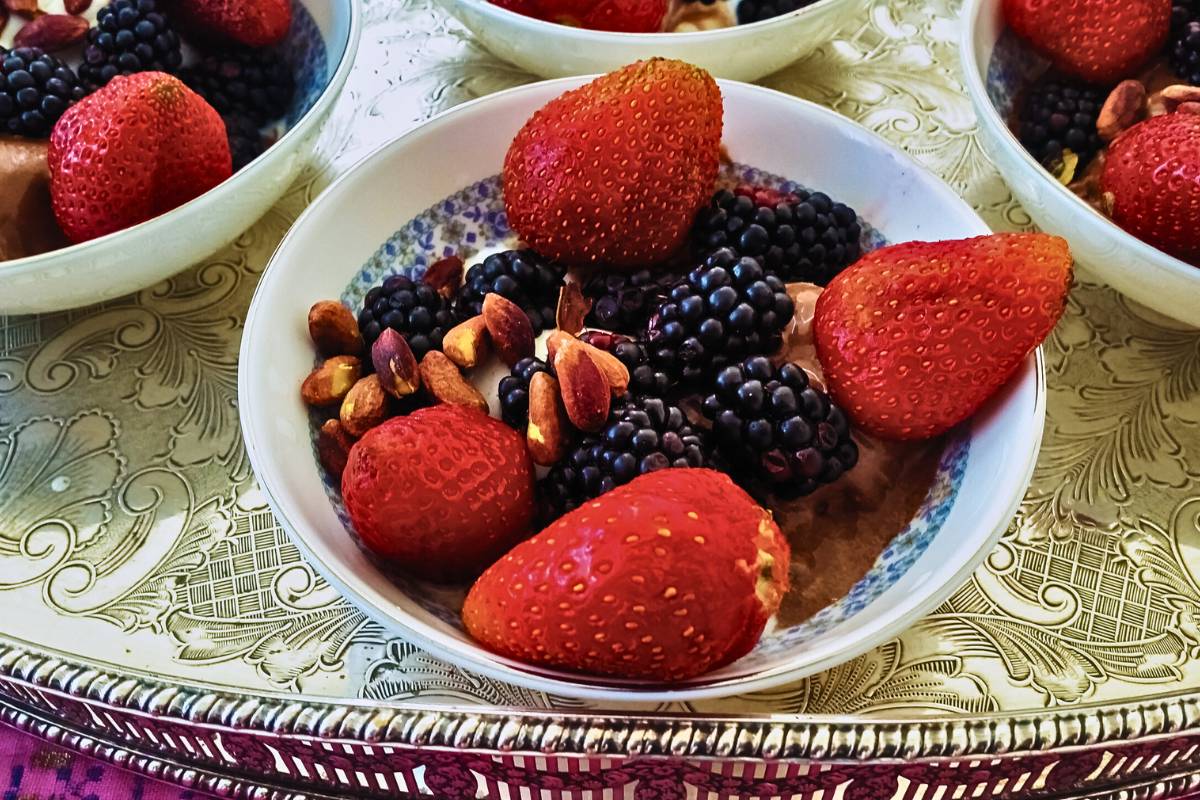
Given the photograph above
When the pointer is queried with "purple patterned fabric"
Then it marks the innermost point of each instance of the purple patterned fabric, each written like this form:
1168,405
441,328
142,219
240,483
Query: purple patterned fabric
31,769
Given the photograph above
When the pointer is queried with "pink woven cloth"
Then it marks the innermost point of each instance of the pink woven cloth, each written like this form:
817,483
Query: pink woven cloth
31,769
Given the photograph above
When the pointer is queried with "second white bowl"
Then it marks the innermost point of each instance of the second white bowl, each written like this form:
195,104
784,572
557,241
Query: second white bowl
436,188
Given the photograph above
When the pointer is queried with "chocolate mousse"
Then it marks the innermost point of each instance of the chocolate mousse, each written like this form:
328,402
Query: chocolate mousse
27,224
838,531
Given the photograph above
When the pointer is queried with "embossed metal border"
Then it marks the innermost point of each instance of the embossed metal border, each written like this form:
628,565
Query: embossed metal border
572,733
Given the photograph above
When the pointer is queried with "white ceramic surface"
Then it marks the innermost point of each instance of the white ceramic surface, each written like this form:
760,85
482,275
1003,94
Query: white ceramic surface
140,256
742,52
344,227
1131,266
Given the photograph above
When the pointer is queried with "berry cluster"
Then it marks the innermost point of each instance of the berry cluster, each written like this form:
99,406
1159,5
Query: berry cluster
130,36
35,89
1060,115
411,308
523,276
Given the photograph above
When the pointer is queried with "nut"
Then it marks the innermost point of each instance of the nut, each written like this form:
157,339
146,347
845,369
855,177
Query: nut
585,391
23,8
546,434
1108,202
1126,104
445,275
444,383
616,373
52,32
395,364
572,309
333,447
333,329
365,406
509,327
329,383
467,343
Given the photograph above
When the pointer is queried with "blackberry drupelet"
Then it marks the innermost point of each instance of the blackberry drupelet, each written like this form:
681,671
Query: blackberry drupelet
644,379
411,308
776,429
1183,45
522,276
811,238
129,36
248,82
1057,115
757,10
624,301
725,310
35,90
645,435
514,391
245,139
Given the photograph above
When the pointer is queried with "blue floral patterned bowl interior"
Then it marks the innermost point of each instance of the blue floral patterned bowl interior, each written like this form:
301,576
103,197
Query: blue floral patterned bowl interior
473,220
304,51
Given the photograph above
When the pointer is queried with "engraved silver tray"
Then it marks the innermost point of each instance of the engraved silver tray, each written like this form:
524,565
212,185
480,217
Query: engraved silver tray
155,615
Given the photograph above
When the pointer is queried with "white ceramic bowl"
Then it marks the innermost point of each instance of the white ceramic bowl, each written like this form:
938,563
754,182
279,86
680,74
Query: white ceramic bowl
360,227
743,52
996,66
140,256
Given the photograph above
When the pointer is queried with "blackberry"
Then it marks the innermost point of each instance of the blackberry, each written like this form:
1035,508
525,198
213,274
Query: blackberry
35,89
248,82
645,435
523,276
757,10
777,429
1183,45
1057,115
411,308
725,310
245,140
514,391
129,36
811,238
644,379
623,302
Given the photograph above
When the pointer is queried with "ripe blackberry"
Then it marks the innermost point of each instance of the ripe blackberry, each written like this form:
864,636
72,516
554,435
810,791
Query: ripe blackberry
523,276
254,83
810,238
35,89
129,36
245,140
411,308
725,310
1057,115
1183,46
777,429
757,10
644,379
514,391
643,436
624,301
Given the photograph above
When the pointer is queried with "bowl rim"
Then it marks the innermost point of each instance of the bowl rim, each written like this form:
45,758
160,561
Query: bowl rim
984,108
659,38
234,183
477,658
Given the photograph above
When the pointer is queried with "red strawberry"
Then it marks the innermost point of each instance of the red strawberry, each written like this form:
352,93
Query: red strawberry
1101,41
253,23
440,493
615,170
667,577
627,16
564,12
529,8
915,337
135,149
1153,174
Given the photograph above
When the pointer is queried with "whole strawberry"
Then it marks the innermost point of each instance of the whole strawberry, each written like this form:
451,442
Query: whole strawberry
667,577
440,493
615,171
627,16
253,23
914,338
136,148
1101,41
1153,175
